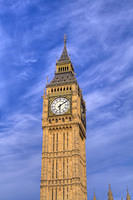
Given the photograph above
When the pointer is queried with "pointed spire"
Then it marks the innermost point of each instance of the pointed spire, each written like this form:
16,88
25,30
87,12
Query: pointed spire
65,38
64,56
94,196
128,195
110,195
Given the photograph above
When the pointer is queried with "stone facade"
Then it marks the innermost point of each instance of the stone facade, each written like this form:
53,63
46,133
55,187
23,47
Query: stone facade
63,172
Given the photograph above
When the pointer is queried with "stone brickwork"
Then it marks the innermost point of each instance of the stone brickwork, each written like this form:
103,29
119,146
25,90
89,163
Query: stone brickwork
63,172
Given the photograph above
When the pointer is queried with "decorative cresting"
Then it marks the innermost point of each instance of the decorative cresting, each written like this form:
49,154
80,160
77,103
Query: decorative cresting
128,196
110,195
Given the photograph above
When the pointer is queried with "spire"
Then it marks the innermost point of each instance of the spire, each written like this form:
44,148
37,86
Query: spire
110,196
64,56
94,196
65,40
128,195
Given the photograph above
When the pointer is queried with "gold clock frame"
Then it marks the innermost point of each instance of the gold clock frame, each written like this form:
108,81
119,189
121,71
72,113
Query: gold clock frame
52,98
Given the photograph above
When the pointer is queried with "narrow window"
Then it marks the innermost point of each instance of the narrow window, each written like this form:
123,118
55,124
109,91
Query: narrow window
52,193
53,141
63,168
63,141
67,167
63,193
52,90
57,168
57,142
53,170
56,194
67,140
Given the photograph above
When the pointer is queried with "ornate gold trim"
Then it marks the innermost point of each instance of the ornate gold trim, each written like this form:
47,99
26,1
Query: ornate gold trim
52,98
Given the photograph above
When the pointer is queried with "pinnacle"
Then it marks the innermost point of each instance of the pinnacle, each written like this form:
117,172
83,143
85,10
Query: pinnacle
94,197
64,56
110,196
128,195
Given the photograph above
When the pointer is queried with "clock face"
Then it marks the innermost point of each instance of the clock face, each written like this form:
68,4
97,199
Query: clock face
60,105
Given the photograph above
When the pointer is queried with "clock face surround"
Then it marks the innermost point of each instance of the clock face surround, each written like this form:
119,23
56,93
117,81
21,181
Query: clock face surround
60,105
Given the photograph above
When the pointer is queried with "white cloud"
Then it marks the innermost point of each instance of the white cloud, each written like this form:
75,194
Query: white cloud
105,96
102,55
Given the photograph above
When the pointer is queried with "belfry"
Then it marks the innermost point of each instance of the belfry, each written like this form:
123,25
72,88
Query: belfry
63,172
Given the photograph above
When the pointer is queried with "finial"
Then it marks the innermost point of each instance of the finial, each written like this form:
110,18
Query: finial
65,40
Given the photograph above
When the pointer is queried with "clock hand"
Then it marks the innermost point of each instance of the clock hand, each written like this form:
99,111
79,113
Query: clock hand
62,104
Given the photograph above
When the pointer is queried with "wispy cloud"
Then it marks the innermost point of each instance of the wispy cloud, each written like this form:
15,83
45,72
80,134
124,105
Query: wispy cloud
100,45
105,96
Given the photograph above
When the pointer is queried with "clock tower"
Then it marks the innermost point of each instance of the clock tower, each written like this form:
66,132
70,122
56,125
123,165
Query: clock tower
63,172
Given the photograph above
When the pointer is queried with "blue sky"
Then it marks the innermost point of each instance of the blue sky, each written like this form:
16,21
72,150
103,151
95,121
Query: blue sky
100,43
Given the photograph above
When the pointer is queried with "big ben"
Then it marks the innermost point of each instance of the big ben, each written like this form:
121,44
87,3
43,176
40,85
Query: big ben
63,172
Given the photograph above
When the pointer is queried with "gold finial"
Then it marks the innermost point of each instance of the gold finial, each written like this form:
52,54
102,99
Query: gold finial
65,39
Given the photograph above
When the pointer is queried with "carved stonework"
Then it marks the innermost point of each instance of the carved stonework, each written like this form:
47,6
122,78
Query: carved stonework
63,173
